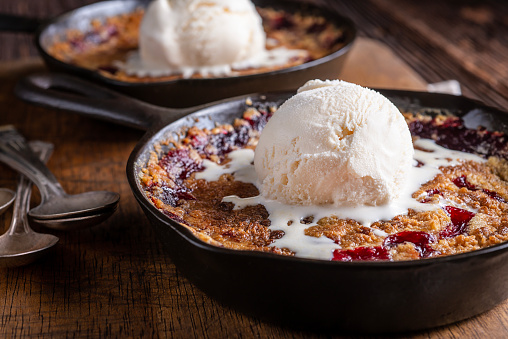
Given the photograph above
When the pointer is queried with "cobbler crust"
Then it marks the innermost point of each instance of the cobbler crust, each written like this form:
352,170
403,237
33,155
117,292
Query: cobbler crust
480,186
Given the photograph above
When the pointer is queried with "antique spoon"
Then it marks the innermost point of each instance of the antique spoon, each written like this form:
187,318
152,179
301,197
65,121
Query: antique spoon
20,245
7,196
56,205
79,222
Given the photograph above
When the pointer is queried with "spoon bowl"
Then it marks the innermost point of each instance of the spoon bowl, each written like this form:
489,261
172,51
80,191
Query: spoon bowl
20,245
23,249
73,207
7,196
75,223
56,204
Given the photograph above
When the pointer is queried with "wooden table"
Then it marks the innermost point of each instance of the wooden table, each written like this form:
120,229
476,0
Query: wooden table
114,280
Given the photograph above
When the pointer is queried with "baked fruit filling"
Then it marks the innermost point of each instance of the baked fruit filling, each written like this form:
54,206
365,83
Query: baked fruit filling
465,206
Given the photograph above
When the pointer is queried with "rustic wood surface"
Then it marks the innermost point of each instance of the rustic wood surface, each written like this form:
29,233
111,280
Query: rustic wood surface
114,280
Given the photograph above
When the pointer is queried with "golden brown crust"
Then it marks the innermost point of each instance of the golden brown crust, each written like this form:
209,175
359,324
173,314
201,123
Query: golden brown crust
248,228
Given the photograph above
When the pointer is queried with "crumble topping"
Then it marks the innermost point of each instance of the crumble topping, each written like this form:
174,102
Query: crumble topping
469,199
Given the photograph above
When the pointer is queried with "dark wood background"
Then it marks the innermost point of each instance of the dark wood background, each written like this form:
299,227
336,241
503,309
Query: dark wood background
441,40
113,280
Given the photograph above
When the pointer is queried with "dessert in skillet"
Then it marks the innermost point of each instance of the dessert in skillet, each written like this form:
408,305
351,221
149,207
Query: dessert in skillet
175,39
337,173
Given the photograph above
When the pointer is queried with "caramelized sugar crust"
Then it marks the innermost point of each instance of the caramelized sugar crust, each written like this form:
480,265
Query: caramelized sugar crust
169,182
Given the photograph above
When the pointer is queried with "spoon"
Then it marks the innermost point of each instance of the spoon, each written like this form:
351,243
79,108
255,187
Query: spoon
75,223
20,245
7,196
55,203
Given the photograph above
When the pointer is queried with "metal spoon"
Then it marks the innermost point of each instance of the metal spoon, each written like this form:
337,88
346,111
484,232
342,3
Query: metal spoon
55,203
20,245
7,196
74,223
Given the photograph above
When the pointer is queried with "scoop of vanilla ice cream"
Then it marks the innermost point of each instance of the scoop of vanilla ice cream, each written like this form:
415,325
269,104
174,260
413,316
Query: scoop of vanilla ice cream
186,35
334,143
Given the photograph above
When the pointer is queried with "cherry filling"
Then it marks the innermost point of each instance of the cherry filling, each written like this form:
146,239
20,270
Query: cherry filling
462,182
434,191
174,217
361,253
317,27
282,21
171,196
95,37
421,241
258,122
494,195
431,193
459,220
179,164
452,134
222,143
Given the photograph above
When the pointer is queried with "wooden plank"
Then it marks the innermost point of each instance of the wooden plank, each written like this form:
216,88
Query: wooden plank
114,280
443,40
371,63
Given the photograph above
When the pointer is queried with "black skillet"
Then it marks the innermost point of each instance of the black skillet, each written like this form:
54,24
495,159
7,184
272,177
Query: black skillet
359,296
185,92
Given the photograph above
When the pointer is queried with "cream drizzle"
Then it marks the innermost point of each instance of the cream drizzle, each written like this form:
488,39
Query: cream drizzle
135,66
241,165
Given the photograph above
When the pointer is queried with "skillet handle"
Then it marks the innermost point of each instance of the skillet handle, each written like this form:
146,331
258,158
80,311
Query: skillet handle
69,93
16,23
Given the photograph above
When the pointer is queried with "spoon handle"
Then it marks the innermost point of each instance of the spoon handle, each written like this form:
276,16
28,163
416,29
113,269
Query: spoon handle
15,152
19,223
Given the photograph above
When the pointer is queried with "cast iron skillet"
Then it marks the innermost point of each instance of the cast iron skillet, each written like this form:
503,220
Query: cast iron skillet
186,92
359,296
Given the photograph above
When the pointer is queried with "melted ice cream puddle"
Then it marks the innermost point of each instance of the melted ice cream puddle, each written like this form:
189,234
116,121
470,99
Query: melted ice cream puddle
134,66
241,165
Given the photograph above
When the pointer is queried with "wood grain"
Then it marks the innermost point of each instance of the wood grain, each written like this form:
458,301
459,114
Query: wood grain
371,63
443,40
114,280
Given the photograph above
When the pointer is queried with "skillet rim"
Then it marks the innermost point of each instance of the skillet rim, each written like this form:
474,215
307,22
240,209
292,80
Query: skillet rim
183,231
346,22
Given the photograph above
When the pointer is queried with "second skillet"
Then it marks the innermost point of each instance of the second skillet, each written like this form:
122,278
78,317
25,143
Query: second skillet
186,92
363,297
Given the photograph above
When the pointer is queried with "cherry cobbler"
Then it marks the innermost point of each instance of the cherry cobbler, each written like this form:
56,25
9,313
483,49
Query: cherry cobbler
108,43
463,208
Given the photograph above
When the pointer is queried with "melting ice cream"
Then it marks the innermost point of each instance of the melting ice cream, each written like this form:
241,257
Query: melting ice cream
210,37
334,143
